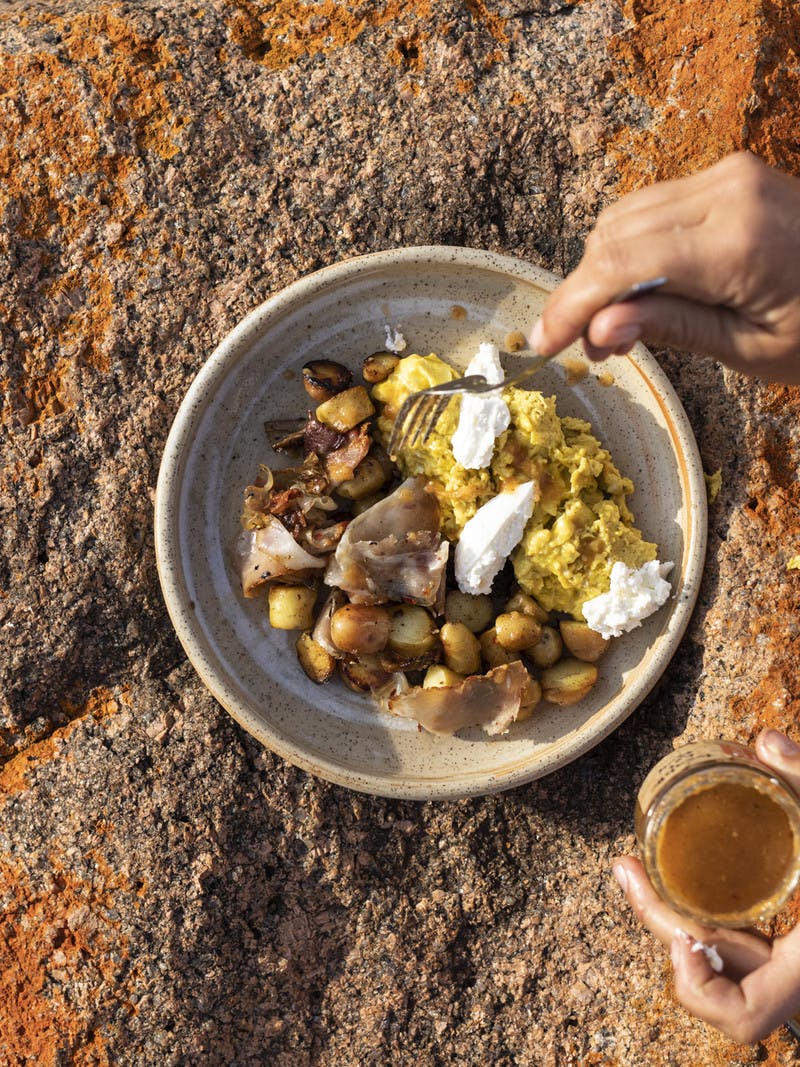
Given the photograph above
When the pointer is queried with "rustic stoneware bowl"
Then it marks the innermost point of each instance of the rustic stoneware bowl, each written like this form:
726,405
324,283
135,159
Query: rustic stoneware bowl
444,300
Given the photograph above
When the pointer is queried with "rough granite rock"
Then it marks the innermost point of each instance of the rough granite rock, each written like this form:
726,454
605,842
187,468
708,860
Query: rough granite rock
172,893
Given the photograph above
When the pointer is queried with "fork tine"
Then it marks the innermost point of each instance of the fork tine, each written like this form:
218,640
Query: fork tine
432,416
399,434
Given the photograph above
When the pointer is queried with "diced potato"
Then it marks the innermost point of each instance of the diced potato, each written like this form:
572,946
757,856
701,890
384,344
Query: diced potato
364,673
360,628
346,410
395,661
475,612
323,378
378,366
315,660
582,641
438,676
369,476
493,653
291,607
461,649
531,696
412,632
527,605
547,649
568,681
516,631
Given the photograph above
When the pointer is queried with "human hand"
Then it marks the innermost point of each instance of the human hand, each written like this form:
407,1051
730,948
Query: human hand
728,241
759,985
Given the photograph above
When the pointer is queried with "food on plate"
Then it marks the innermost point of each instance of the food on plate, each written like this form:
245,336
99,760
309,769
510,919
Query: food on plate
467,581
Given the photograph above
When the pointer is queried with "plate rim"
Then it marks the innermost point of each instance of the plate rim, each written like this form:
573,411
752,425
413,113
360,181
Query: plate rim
174,592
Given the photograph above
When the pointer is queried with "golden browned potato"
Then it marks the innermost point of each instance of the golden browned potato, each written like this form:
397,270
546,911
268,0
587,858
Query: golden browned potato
363,674
360,628
291,607
547,649
475,612
369,476
315,660
493,653
516,631
378,366
438,676
461,649
527,605
412,632
346,410
531,696
582,641
568,681
323,378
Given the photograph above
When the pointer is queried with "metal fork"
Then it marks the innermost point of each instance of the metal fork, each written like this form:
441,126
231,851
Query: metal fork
421,411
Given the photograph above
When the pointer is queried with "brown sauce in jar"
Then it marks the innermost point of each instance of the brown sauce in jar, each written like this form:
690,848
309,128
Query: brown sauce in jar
719,833
725,849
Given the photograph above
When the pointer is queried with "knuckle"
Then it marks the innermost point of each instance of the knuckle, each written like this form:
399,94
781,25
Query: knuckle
608,255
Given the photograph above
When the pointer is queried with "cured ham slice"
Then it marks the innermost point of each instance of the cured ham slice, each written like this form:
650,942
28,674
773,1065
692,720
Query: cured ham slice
393,551
491,701
271,552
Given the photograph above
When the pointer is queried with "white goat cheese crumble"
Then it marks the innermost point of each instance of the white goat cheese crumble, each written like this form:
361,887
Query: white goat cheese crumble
634,594
481,418
395,342
489,537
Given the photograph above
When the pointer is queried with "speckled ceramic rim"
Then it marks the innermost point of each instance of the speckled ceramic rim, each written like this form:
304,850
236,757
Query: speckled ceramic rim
211,667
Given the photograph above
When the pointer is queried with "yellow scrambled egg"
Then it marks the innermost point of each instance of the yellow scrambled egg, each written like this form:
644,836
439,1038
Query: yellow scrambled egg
581,523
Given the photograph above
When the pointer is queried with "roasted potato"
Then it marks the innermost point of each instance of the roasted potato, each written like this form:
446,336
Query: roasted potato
531,696
547,649
369,476
475,612
378,366
527,605
315,660
363,674
323,378
438,676
516,631
291,607
360,628
412,632
461,649
568,681
492,652
582,641
346,410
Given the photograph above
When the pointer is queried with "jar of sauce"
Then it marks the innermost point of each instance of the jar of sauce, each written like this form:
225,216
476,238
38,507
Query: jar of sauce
719,834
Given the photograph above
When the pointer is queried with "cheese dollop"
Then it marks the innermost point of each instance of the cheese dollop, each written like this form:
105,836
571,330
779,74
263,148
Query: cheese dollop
634,594
488,538
481,418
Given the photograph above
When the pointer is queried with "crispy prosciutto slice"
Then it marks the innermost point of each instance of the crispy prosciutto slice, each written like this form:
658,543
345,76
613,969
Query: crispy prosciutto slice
491,701
271,552
393,551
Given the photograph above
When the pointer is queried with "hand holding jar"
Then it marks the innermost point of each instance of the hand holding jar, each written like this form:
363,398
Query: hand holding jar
737,981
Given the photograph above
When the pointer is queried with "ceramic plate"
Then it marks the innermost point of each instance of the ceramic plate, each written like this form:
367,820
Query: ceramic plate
444,300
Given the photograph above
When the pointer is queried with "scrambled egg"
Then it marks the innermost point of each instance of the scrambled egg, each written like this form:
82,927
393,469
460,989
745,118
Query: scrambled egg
581,524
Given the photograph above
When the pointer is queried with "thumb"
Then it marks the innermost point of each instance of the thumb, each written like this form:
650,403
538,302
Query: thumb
782,754
665,320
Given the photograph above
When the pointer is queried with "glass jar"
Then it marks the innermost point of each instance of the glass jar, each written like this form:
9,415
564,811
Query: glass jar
719,834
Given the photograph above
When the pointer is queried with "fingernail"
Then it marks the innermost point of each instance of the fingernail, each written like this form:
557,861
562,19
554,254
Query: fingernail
537,335
779,744
621,876
624,336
